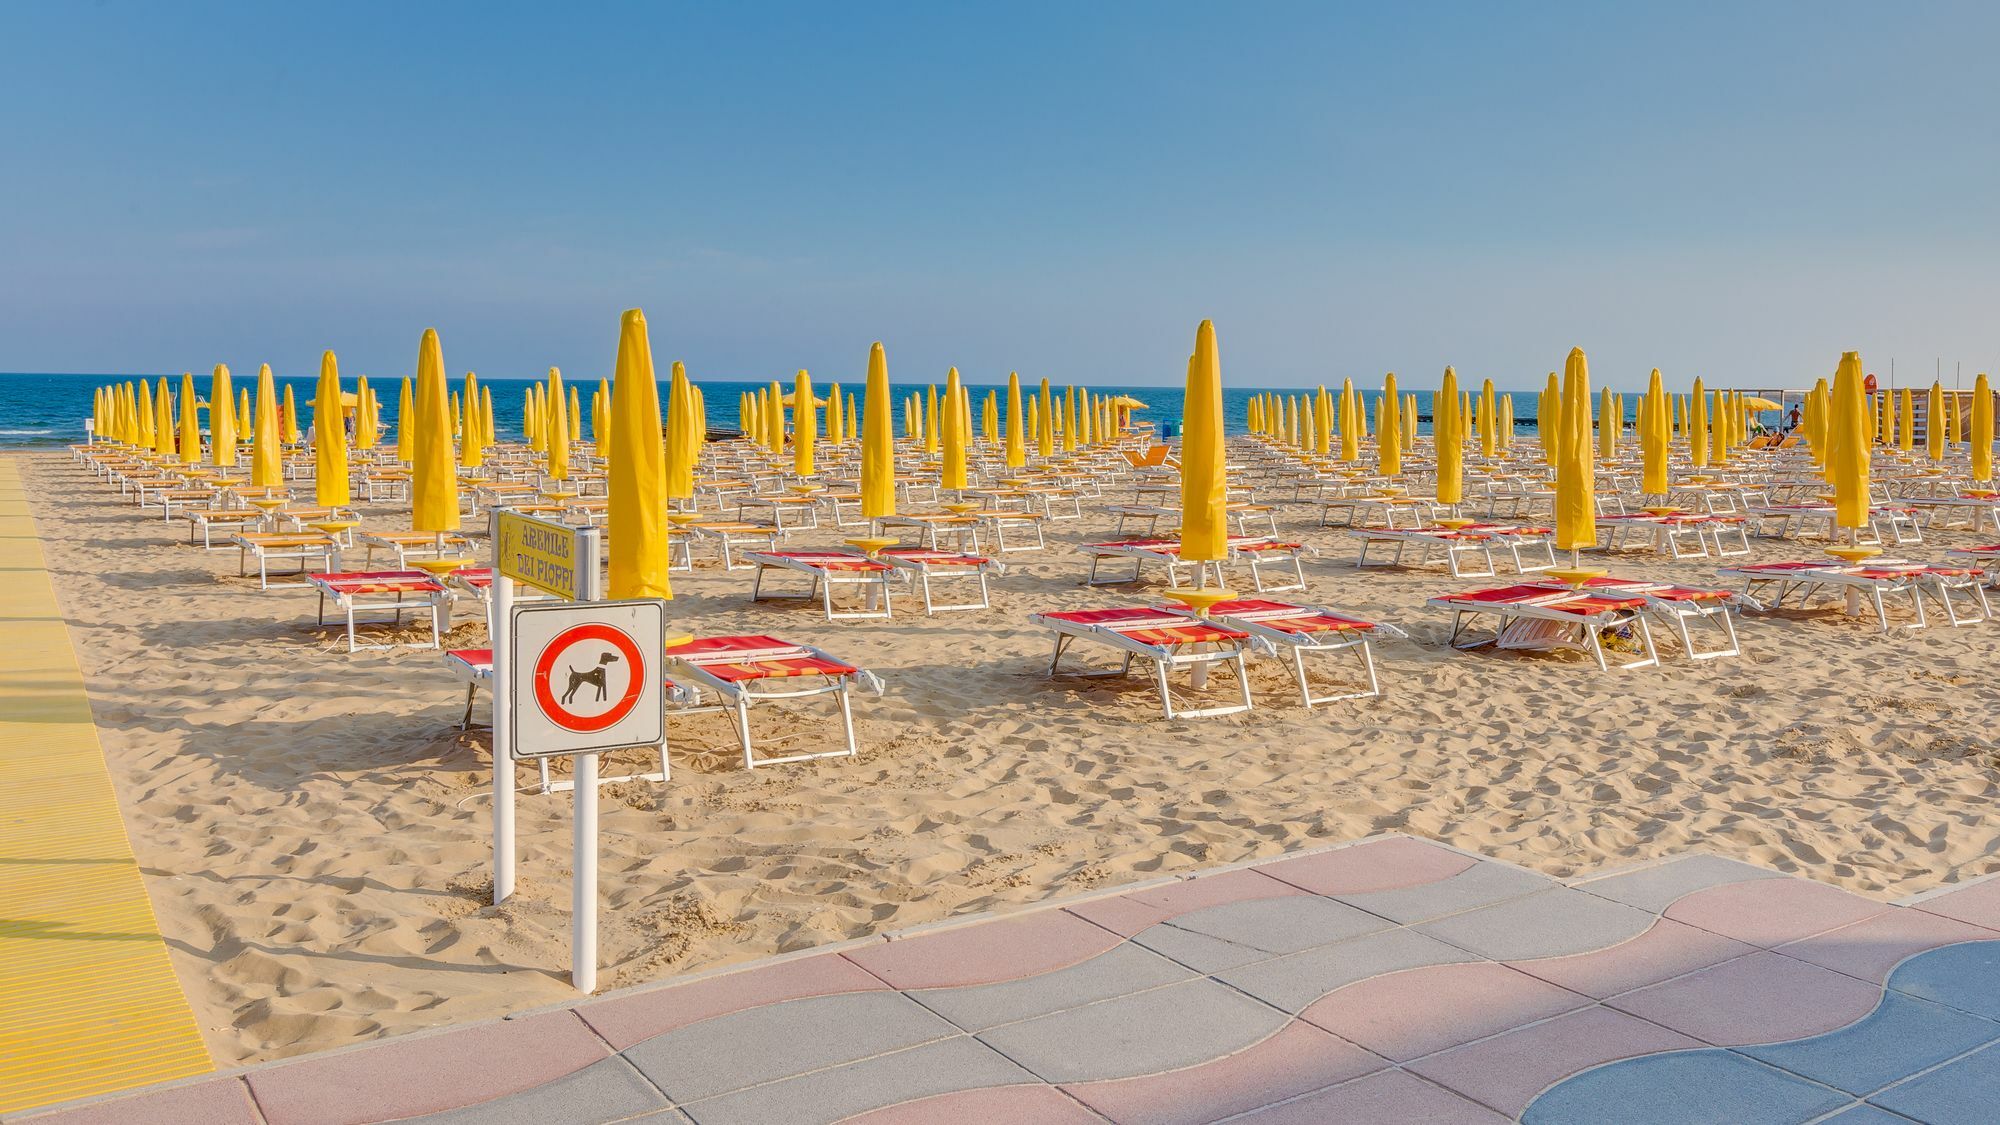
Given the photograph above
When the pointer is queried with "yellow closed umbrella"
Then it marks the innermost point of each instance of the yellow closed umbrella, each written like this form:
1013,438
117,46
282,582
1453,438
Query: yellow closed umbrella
1045,434
245,418
163,420
805,421
288,423
1350,422
1449,441
575,416
1017,447
931,420
558,422
1934,423
1848,450
1655,437
406,421
365,418
1548,421
1389,429
1906,422
878,439
1982,431
472,442
1698,426
775,418
1819,404
1576,501
1489,429
433,479
221,419
190,441
1069,434
1204,470
680,451
330,484
954,433
485,414
636,478
266,467
1506,422
836,422
1607,428
600,419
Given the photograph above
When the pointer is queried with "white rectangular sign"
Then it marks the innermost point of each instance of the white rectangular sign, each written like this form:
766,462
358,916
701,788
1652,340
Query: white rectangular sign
587,676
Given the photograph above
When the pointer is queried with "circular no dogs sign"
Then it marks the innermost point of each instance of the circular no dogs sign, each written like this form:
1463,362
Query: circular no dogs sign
586,676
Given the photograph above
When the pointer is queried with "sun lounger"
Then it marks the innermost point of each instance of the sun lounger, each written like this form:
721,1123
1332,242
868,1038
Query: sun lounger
1987,558
394,592
1472,542
742,671
731,537
1873,582
1254,551
924,565
208,521
1300,631
267,547
827,570
407,545
1167,638
1724,535
1543,616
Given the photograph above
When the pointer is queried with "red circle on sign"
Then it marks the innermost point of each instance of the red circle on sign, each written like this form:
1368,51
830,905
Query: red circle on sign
545,696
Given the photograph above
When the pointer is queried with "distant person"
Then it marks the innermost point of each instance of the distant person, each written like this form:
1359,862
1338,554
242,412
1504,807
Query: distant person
1792,420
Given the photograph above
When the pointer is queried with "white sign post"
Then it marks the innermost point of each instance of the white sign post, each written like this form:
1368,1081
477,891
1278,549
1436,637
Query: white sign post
587,678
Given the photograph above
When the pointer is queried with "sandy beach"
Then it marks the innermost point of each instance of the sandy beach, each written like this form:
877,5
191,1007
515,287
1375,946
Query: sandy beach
313,825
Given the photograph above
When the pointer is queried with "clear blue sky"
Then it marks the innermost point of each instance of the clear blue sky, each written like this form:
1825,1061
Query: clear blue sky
1739,191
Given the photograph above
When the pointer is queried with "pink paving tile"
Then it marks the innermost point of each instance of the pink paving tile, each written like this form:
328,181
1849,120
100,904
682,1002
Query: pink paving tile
1507,1071
220,1101
1978,904
1297,1060
1017,1105
1869,949
1412,1013
1129,913
629,1019
1762,998
1391,1095
428,1074
1667,949
986,952
1770,912
1386,865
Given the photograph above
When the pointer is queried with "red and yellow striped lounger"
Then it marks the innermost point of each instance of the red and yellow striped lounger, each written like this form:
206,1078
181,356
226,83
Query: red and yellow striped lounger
1256,551
385,591
828,569
1539,616
923,565
738,672
1302,630
1873,581
1169,639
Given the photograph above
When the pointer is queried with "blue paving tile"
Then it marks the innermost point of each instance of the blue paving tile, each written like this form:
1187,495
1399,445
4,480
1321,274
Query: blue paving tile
1966,977
1901,1037
1706,1087
1966,1092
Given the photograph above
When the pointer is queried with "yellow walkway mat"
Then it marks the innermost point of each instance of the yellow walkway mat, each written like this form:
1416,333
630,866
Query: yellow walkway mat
88,1000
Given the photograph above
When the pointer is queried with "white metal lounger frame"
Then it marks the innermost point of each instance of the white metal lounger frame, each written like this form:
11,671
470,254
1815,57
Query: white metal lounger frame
1807,582
305,553
1474,546
1163,657
1514,632
1299,645
355,602
739,696
823,582
923,571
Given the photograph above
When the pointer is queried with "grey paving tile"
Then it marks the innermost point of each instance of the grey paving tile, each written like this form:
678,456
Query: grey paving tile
766,1044
1655,887
1864,1114
1710,1085
829,1095
1126,968
1481,884
1199,952
1296,980
606,1091
1960,1093
1552,923
1281,925
1898,1039
1145,1033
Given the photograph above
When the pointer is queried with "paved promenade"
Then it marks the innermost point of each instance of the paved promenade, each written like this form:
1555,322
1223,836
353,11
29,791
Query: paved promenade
88,1002
1390,980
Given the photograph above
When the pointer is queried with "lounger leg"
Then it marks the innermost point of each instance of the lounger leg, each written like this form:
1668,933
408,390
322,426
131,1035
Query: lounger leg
743,729
847,720
471,692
